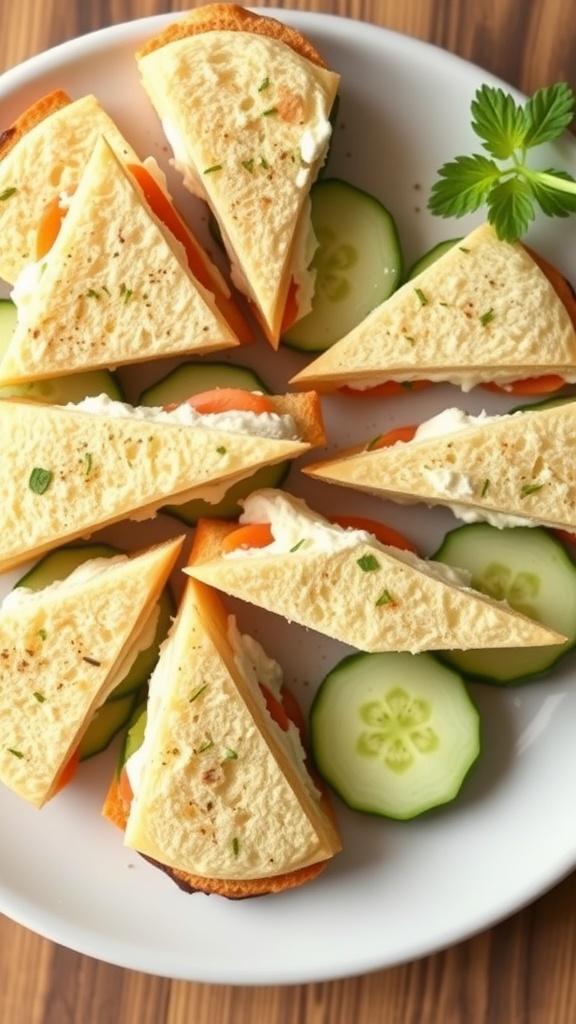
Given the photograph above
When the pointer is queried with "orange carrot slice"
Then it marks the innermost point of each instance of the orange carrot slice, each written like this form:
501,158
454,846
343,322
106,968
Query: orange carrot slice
386,390
230,400
385,534
69,771
165,210
403,434
252,535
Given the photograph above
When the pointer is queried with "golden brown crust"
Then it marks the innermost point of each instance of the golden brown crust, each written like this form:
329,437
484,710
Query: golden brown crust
32,116
306,411
232,18
116,812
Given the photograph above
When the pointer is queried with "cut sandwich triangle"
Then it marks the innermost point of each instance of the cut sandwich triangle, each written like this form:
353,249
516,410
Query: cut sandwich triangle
72,471
212,763
512,466
114,287
483,312
268,108
64,650
349,587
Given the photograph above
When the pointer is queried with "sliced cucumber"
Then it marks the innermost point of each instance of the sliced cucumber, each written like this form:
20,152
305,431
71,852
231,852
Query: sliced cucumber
530,569
430,257
394,734
58,564
58,390
134,735
190,379
106,724
358,263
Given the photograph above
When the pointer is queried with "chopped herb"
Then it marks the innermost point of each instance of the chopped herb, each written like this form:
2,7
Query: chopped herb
264,163
463,248
126,292
230,755
374,443
40,479
368,563
221,449
409,338
87,463
206,745
105,289
270,111
42,634
248,164
385,598
91,661
264,84
421,297
298,544
39,697
485,488
487,317
7,193
93,294
213,168
197,693
17,753
530,489
235,846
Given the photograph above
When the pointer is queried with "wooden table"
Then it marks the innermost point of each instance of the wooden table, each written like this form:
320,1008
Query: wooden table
522,971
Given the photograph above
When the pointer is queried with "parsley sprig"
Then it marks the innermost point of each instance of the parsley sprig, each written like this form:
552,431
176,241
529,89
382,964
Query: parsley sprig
511,190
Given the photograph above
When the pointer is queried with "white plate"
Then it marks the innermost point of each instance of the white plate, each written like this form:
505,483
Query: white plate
398,891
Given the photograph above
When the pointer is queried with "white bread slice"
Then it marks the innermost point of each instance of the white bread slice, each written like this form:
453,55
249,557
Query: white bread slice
514,469
114,288
483,312
348,586
41,155
220,794
61,648
93,469
245,104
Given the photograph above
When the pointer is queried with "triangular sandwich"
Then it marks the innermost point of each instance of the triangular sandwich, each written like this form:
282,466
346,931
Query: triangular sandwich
70,470
222,797
64,649
245,103
484,312
113,288
509,470
345,584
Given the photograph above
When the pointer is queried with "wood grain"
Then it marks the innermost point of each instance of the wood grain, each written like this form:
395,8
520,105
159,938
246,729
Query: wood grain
522,970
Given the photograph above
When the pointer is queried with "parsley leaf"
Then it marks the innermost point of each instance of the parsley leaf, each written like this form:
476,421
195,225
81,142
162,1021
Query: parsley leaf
512,191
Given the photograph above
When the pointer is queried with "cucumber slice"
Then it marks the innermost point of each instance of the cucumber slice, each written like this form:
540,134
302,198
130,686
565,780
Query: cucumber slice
190,379
58,564
58,390
134,735
106,724
430,257
530,569
358,263
394,734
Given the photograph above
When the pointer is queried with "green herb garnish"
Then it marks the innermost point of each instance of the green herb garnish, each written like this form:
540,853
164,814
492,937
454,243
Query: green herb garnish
487,317
264,84
512,190
235,846
213,168
385,598
230,755
17,753
40,479
7,193
421,297
485,487
194,696
221,449
248,165
126,292
39,696
206,745
530,489
87,463
368,563
93,294
270,111
298,544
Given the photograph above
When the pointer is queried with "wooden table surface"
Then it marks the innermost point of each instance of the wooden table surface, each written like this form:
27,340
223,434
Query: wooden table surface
522,971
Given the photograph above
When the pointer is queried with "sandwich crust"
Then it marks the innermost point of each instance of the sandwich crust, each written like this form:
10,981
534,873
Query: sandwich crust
32,116
232,18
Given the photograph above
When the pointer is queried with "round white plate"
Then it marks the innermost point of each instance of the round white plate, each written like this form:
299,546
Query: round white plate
398,891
